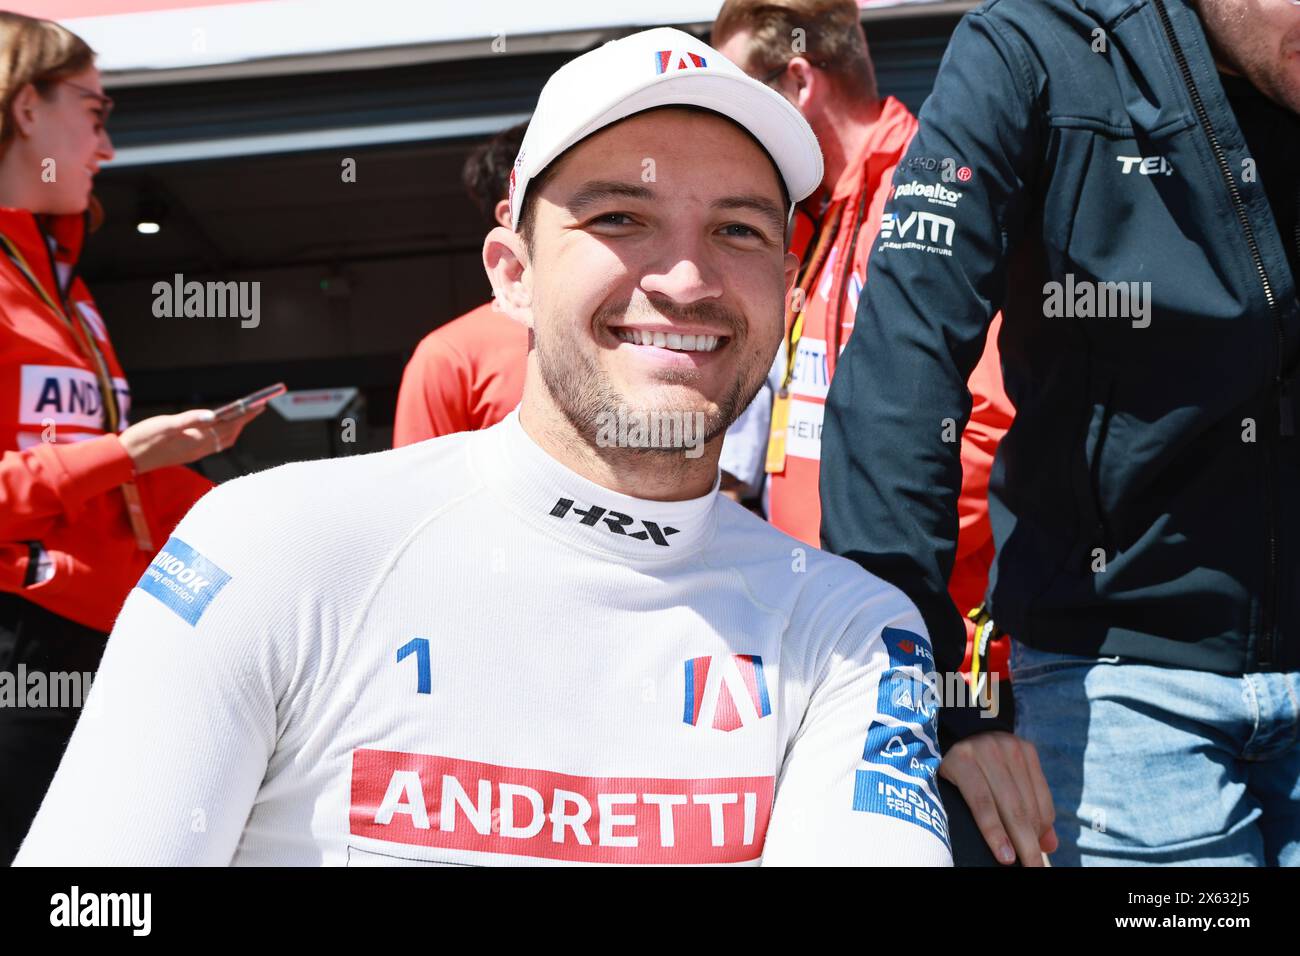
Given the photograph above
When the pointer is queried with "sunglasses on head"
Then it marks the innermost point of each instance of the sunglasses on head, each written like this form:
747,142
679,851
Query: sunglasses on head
821,65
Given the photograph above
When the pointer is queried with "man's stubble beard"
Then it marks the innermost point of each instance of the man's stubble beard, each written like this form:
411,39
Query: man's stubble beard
581,390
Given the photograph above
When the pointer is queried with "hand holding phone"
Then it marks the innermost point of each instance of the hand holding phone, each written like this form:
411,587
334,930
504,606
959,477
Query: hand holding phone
188,436
242,406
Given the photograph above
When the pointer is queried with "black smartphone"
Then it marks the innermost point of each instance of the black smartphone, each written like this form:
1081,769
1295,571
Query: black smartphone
242,406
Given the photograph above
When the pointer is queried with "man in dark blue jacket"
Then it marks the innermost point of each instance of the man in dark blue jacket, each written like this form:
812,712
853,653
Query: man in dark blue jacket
1122,179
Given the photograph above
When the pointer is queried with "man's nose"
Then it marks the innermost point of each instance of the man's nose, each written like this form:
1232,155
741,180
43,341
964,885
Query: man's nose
686,273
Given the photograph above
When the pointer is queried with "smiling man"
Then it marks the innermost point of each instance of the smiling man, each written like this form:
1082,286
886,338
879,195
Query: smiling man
532,644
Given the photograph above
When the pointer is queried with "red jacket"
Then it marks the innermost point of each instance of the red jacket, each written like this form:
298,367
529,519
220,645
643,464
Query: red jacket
60,472
464,376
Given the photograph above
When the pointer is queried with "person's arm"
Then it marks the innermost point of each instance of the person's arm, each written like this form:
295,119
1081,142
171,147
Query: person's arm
174,739
51,481
858,784
433,399
891,466
898,403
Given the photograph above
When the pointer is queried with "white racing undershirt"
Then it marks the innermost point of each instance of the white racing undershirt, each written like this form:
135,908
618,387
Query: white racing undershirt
462,652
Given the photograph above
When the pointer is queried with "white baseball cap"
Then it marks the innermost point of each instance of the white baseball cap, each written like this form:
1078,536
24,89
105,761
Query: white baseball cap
661,67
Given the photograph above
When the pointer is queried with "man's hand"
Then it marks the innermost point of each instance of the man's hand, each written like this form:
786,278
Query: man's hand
179,439
1002,782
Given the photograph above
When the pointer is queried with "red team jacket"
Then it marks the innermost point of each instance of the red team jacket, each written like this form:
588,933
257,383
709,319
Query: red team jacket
866,183
60,472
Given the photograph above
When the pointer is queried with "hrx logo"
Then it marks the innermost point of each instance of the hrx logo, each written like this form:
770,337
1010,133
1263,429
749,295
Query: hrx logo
668,60
615,521
736,696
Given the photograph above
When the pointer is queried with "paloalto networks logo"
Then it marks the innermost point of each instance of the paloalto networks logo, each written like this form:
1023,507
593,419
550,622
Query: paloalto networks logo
936,193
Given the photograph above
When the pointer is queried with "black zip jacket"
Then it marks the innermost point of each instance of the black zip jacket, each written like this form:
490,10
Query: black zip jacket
1146,501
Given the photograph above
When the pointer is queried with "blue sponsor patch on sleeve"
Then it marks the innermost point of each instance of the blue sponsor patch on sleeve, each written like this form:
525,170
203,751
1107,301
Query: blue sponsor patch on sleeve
907,698
877,792
183,580
901,747
907,649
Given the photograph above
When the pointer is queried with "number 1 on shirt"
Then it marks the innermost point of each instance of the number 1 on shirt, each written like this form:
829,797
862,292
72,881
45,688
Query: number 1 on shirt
420,647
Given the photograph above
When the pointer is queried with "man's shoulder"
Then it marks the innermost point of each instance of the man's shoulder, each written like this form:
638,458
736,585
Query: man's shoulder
317,509
829,606
801,580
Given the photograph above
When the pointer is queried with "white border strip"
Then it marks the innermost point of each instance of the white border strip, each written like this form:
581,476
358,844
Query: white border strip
311,140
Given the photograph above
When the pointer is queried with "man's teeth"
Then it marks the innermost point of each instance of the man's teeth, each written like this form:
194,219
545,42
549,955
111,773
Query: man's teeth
669,340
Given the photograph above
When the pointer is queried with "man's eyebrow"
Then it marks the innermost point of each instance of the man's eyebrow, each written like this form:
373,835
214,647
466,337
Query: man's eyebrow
759,204
600,190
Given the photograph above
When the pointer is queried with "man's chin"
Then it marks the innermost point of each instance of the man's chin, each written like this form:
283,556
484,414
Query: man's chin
674,399
659,424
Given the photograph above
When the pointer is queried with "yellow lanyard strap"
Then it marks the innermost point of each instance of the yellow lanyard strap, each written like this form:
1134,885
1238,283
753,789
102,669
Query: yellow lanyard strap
780,421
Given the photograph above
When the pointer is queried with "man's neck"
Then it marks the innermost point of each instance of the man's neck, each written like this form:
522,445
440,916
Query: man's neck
652,475
841,134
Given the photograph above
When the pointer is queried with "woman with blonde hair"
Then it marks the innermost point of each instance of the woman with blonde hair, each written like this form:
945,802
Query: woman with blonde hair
85,498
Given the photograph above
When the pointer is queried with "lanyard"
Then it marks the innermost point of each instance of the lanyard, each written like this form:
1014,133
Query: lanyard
84,340
76,323
808,276
846,269
822,242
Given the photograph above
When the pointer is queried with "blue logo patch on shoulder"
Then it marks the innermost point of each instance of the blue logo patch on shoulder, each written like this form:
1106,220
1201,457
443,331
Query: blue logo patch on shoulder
901,747
907,649
183,580
907,698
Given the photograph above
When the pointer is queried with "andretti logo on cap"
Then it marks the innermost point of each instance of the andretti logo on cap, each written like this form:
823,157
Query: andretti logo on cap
667,60
183,580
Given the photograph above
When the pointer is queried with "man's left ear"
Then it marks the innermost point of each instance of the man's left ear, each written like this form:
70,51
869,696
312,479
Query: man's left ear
791,271
506,262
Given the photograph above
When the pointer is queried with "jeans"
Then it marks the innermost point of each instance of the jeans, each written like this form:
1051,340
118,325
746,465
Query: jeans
1151,765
